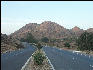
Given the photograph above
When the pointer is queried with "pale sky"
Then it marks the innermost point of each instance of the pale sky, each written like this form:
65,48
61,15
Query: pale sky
16,14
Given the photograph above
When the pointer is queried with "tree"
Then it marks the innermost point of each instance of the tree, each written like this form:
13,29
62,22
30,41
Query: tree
38,58
39,46
85,41
29,38
45,39
67,44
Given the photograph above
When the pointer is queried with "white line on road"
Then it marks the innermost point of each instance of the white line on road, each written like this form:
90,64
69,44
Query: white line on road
26,63
73,51
85,55
49,62
77,53
81,54
89,56
73,58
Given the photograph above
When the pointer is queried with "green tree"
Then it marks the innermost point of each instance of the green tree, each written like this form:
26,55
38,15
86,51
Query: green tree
85,41
39,46
45,39
66,44
29,38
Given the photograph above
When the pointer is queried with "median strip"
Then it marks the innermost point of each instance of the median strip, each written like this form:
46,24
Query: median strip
30,64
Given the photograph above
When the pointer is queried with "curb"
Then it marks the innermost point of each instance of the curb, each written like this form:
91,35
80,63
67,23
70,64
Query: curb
49,62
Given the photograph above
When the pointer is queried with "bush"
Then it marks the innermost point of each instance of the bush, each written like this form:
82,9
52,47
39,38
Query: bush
85,41
39,46
45,39
67,44
29,38
39,58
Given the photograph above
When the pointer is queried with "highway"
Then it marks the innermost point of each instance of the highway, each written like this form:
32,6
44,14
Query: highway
68,60
60,59
16,59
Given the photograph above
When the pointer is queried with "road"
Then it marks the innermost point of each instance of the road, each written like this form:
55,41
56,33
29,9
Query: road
67,60
16,59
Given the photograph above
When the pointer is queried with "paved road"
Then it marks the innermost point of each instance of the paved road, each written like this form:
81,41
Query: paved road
16,59
67,60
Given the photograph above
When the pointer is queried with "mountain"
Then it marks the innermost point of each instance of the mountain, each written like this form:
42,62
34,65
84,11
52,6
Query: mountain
77,31
90,30
9,44
48,29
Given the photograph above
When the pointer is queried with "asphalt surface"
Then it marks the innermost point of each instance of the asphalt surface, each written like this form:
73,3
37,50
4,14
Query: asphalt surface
67,60
16,59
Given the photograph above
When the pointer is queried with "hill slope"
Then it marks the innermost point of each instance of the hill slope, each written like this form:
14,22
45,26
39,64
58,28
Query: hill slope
48,29
9,44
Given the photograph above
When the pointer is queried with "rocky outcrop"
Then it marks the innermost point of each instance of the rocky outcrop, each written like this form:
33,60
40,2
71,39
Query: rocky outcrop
90,30
48,29
9,43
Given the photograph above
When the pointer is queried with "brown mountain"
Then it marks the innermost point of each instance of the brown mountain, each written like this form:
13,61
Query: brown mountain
77,31
9,44
48,29
90,30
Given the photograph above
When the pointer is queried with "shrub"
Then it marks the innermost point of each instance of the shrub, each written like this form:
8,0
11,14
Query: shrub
45,39
67,44
39,46
85,41
39,58
29,38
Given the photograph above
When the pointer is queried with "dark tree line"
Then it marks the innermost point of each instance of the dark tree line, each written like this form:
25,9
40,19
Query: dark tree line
29,38
45,39
85,41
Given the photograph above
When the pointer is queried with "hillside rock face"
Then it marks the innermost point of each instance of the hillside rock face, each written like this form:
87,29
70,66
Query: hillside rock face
77,31
9,44
48,29
90,30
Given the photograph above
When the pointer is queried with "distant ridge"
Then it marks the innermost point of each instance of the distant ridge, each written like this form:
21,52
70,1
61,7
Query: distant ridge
48,29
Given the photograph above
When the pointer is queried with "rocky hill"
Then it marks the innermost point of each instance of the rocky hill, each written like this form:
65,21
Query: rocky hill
9,44
48,29
90,30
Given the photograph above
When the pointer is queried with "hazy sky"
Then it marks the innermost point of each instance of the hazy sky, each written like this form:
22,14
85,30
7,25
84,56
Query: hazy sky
16,14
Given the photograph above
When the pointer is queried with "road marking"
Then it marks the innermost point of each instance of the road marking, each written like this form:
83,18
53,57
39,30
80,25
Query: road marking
49,62
60,49
73,51
73,58
85,55
77,53
91,66
89,56
26,63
